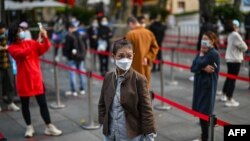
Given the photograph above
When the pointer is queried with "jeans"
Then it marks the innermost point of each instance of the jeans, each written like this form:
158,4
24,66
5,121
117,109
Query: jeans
72,75
7,87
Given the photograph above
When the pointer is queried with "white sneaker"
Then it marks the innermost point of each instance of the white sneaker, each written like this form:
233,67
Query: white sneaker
12,106
51,130
223,98
220,93
29,131
196,140
82,92
68,93
75,94
232,103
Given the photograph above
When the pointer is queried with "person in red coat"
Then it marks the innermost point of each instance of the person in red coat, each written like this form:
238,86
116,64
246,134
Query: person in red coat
29,80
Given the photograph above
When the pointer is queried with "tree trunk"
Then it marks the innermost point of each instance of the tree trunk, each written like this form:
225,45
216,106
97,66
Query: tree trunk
237,4
2,11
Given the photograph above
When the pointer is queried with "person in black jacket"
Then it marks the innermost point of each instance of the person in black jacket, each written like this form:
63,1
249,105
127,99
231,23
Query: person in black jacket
104,35
158,30
75,50
92,32
206,67
247,38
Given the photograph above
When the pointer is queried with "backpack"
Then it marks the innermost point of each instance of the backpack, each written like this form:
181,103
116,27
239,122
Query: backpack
79,46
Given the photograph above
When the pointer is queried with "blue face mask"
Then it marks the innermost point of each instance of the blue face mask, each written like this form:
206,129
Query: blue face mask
21,35
2,36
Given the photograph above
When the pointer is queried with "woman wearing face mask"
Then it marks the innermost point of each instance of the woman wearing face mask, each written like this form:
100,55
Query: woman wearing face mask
104,35
29,77
124,107
205,67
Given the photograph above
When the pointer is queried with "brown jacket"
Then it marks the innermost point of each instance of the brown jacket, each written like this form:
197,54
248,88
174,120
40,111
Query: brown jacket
145,46
135,100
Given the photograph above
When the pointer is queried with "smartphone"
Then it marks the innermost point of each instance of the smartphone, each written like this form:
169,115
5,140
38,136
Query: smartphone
40,25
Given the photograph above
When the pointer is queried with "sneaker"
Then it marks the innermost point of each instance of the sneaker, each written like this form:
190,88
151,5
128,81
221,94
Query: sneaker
196,140
82,92
223,98
220,93
51,130
13,107
75,94
68,93
232,103
29,131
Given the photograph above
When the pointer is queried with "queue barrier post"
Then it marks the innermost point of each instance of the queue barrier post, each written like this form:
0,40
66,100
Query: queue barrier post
162,106
212,123
172,80
57,104
89,66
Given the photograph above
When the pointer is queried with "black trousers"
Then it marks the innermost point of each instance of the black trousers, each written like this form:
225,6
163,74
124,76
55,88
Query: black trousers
204,130
229,85
41,100
103,60
7,88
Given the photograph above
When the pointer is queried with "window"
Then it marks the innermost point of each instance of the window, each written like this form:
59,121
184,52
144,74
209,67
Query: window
181,6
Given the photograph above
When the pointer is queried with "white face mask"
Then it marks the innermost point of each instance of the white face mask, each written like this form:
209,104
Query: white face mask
104,23
205,43
123,63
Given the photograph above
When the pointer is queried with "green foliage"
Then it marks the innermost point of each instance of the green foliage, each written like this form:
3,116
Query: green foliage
227,12
82,14
154,10
186,13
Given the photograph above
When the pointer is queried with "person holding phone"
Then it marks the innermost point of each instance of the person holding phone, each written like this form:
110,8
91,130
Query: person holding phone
29,81
205,67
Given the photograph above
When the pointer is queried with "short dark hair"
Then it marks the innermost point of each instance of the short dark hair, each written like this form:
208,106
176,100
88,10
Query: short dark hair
12,33
121,43
2,25
132,20
140,18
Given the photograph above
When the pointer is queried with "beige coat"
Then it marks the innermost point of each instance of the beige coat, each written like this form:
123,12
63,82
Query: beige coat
145,45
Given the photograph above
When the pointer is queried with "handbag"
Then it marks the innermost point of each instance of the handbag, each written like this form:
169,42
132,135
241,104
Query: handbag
102,45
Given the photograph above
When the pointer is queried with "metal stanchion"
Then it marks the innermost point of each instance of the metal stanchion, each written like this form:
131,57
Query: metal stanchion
57,104
91,125
172,81
212,122
89,67
162,106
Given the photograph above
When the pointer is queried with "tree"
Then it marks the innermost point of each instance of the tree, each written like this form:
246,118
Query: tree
206,18
237,4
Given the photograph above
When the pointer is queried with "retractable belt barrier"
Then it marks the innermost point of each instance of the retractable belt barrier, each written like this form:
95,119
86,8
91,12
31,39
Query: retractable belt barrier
157,96
180,65
191,43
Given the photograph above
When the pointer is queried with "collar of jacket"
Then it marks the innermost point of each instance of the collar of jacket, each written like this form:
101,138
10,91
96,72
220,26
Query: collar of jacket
126,75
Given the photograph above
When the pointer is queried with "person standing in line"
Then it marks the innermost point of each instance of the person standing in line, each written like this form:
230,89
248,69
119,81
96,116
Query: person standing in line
125,108
234,56
104,35
145,47
247,38
205,67
158,30
29,81
7,87
75,51
92,32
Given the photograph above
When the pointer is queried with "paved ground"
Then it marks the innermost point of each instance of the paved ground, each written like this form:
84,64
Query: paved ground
172,125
